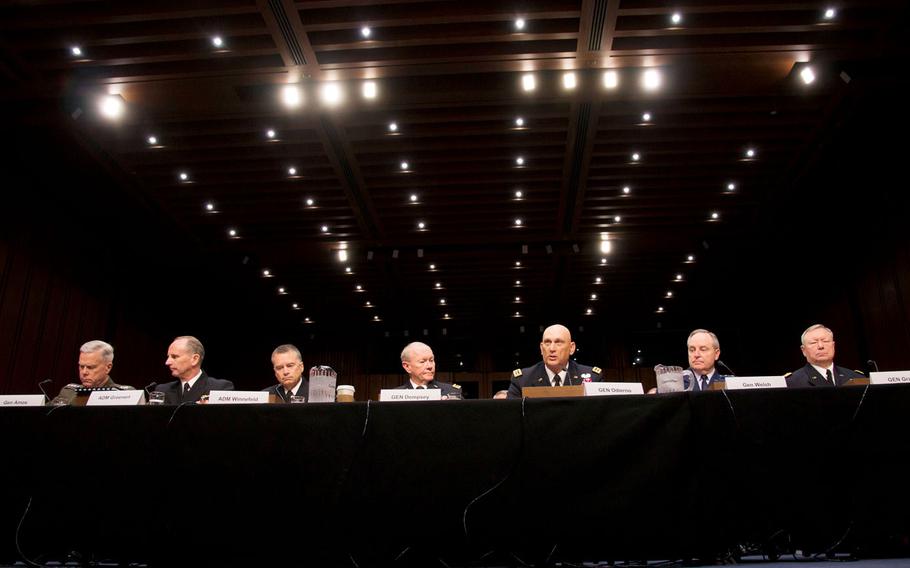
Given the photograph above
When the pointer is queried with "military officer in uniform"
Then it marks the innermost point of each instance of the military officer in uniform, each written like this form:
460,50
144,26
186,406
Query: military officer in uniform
820,370
96,358
555,369
704,351
184,360
287,362
420,365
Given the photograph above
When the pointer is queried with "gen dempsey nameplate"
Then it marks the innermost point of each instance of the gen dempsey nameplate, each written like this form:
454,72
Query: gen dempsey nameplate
741,383
610,389
889,377
8,400
116,398
239,397
397,395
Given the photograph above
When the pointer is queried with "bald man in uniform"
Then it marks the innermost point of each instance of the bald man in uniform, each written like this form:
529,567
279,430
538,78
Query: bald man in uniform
556,346
419,363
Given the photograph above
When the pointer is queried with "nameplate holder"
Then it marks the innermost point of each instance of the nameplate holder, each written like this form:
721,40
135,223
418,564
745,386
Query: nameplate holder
409,395
116,398
12,400
889,377
238,397
612,389
747,383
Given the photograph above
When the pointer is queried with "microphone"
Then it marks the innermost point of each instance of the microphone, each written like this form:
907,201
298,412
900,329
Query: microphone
727,367
46,382
873,364
150,387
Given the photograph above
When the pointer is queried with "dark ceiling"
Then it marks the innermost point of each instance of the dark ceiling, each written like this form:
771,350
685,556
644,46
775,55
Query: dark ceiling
449,75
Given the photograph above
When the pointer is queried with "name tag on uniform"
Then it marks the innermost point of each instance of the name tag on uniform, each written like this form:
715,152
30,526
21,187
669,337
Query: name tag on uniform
742,383
400,395
116,398
610,389
239,397
9,400
889,377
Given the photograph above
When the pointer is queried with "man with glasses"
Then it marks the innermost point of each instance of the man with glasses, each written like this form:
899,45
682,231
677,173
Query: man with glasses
287,362
820,370
555,370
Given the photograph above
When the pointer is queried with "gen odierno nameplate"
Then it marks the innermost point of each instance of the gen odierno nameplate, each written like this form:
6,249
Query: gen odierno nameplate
10,400
238,397
401,395
770,382
116,398
612,389
890,378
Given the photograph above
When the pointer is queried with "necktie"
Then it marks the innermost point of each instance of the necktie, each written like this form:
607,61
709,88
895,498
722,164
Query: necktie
704,382
422,387
830,378
557,381
288,395
186,388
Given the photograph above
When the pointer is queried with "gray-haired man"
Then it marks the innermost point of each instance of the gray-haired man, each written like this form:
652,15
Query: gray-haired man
96,358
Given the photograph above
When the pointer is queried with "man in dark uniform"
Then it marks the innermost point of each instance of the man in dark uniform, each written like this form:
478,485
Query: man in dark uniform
287,362
420,365
96,358
556,369
184,359
704,351
820,370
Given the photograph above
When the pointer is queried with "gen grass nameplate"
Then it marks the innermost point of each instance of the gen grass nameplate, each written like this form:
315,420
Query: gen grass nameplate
890,378
238,397
408,395
612,389
745,383
11,400
116,398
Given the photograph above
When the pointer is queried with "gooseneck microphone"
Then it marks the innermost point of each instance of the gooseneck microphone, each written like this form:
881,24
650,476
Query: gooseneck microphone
873,364
46,382
149,388
727,367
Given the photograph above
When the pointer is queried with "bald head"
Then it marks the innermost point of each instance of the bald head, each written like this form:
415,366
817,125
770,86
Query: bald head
556,346
418,362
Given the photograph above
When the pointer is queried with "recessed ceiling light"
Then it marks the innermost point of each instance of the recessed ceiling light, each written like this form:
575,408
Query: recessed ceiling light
517,298
306,320
393,127
376,318
519,161
598,280
432,267
309,202
636,156
830,13
413,198
358,288
295,306
589,311
76,51
209,206
569,80
731,186
519,194
404,166
518,222
324,228
442,301
528,82
266,273
519,24
421,225
292,96
750,153
715,216
807,75
370,90
593,296
184,176
445,316
111,106
679,277
153,140
232,232
331,93
365,31
518,314
368,304
438,285
606,246
690,258
617,219
603,260
217,41
342,256
518,282
517,263
270,134
292,171
519,122
611,79
347,269
281,290
660,309
669,294
651,79
676,18
646,117
626,190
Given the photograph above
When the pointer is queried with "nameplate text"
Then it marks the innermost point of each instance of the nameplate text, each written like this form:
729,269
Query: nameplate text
238,397
744,383
116,398
10,400
401,395
889,377
611,389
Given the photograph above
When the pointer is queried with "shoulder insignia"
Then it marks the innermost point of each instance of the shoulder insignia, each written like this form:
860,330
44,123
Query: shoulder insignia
788,374
456,386
858,372
597,370
516,373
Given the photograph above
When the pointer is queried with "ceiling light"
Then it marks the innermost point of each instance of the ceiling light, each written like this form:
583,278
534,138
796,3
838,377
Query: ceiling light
209,206
111,106
519,194
593,296
76,51
690,258
517,264
646,117
217,41
807,75
519,24
650,79
270,134
295,306
830,13
518,222
603,261
636,156
518,314
404,166
432,267
292,171
569,81
393,127
309,202
306,320
375,318
232,232
606,246
291,95
611,79
442,301
152,140
528,83
626,190
679,277
519,161
266,273
598,280
421,225
370,90
365,31
331,93
324,228
413,198
660,309
517,298
347,270
445,316
715,216
281,290
750,153
518,282
669,294
676,18
589,311
438,285
184,176
731,186
368,304
342,256
617,219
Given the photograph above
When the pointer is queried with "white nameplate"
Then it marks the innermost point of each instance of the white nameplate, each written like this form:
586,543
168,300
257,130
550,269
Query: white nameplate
409,394
610,389
322,385
238,397
889,377
21,400
116,398
771,382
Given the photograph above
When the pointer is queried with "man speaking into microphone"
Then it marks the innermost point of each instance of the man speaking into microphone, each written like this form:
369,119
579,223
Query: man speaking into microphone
556,370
